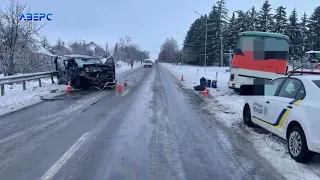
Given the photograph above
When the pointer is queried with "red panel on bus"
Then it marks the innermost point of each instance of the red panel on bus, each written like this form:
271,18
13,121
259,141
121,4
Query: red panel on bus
246,61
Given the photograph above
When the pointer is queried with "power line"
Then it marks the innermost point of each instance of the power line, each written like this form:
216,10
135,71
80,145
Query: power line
196,39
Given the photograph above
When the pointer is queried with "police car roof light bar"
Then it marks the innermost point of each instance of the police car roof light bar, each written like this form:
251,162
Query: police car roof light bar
304,72
289,72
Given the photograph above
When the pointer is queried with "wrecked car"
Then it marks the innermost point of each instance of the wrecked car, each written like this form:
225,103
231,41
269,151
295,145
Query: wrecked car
84,72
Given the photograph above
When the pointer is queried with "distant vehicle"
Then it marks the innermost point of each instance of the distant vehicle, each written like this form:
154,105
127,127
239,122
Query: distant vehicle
85,71
147,63
258,55
312,56
289,109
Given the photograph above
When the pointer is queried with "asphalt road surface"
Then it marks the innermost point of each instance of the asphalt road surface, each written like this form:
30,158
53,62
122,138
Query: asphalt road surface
154,130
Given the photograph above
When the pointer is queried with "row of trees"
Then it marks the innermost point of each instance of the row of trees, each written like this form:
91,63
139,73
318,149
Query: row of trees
125,49
23,50
170,52
222,31
18,40
128,51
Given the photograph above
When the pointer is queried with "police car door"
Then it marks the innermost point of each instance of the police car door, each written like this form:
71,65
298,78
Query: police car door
260,106
280,106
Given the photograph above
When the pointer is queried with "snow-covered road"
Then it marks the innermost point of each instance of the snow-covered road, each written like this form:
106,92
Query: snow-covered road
158,130
227,106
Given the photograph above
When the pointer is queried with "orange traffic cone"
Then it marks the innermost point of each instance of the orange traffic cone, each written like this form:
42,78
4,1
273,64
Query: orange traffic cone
119,89
69,89
205,92
181,78
125,84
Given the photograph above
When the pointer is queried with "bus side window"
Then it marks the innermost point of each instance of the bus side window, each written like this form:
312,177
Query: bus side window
276,48
258,49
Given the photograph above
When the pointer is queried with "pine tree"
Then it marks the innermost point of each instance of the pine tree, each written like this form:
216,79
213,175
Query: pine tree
213,28
281,21
252,19
194,42
242,22
265,20
231,33
222,24
294,33
198,43
314,26
305,33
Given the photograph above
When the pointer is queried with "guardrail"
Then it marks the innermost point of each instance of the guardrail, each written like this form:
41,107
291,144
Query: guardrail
25,77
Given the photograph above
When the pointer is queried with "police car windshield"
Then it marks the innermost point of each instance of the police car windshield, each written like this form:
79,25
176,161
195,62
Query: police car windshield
147,61
82,61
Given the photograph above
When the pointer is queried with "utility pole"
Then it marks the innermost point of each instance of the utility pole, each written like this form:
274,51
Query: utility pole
221,51
205,42
84,47
205,45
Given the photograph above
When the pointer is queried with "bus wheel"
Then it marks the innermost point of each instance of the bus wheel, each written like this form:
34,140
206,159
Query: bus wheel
247,120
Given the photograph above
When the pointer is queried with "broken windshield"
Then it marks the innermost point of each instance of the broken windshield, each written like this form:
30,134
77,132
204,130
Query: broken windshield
82,61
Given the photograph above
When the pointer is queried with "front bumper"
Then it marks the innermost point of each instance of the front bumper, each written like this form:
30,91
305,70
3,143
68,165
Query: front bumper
107,85
99,80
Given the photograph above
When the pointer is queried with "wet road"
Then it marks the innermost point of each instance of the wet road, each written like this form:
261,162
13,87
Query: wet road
155,130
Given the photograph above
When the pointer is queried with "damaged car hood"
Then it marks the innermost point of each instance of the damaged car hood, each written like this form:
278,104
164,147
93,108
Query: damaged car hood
96,68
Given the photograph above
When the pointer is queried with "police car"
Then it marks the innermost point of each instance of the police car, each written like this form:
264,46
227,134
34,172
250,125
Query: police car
290,109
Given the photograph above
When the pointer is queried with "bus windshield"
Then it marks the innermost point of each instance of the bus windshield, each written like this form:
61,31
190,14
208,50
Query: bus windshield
263,48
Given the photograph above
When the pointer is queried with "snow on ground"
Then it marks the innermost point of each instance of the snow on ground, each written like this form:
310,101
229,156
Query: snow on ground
125,66
227,107
15,98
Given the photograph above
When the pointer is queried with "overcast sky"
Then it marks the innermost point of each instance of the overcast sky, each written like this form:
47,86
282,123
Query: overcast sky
148,22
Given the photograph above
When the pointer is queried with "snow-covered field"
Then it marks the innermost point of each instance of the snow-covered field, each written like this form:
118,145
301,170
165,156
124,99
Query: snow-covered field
227,107
15,98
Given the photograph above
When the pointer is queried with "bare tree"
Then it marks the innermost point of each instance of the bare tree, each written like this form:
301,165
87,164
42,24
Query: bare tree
15,36
170,51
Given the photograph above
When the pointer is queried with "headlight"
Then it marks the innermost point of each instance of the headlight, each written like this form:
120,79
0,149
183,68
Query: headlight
87,69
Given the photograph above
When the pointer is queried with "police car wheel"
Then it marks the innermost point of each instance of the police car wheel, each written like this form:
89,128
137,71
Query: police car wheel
297,145
247,116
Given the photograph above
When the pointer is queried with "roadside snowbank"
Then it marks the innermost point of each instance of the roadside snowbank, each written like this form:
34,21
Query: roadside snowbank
227,107
15,98
125,66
